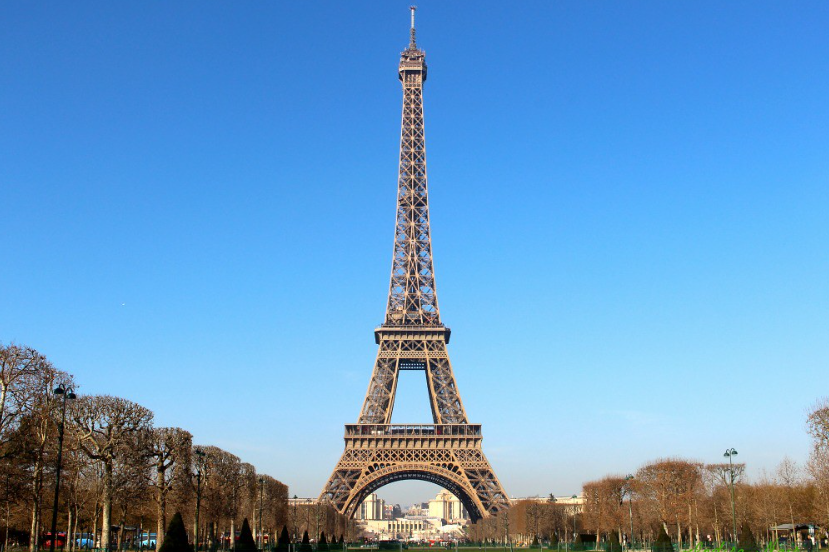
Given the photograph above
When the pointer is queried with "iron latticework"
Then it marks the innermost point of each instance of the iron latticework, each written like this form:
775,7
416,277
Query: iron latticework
412,337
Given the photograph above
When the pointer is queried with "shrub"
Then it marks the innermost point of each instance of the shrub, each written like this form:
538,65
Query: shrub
245,542
306,543
663,542
747,541
283,543
175,539
613,544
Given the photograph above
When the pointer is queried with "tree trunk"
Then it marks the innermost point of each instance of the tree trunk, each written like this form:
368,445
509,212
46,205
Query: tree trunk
120,539
74,529
95,542
67,546
107,504
8,513
162,506
794,533
37,487
33,539
232,544
690,527
716,525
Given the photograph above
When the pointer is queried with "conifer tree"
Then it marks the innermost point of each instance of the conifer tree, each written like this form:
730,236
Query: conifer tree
613,544
747,541
306,543
246,542
663,541
175,539
284,541
554,540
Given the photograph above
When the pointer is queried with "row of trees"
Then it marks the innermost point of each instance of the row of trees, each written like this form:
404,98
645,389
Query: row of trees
688,500
692,501
121,474
526,521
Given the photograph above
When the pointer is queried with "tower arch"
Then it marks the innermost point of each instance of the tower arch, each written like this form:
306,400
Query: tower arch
443,477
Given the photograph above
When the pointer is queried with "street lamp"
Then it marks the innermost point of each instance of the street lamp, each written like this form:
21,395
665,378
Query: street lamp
296,521
731,453
261,491
199,468
629,477
575,531
62,392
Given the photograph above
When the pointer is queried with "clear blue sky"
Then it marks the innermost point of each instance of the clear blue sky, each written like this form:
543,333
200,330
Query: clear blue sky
629,216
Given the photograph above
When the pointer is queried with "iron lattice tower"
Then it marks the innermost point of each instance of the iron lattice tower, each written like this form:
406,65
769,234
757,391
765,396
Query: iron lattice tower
412,337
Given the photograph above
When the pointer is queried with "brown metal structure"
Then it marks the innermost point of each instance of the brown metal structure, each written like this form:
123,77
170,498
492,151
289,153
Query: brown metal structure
412,337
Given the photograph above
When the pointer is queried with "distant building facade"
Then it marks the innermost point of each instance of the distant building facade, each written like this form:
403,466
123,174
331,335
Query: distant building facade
372,508
448,507
576,502
441,517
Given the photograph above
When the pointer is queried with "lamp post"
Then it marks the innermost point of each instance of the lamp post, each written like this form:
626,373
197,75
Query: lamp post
731,453
64,393
629,477
261,492
552,500
575,531
507,540
296,521
199,467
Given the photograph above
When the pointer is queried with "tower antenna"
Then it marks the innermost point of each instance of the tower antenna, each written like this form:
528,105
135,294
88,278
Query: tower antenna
412,43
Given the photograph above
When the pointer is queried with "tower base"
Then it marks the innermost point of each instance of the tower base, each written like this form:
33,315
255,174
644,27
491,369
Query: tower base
448,455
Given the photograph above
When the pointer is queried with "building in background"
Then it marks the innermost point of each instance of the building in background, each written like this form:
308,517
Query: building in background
447,507
392,511
576,501
372,508
418,511
441,518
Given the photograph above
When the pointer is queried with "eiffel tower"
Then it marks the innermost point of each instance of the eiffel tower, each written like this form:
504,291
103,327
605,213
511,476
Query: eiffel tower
447,452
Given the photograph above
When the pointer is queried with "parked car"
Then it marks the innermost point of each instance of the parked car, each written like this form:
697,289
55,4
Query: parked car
60,541
148,540
84,540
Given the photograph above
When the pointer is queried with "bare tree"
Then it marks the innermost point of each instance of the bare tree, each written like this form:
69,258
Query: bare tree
26,400
103,425
818,424
169,448
20,368
671,486
819,469
220,488
130,481
38,425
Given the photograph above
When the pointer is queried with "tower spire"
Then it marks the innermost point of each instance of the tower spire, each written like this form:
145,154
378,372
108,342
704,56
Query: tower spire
412,42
